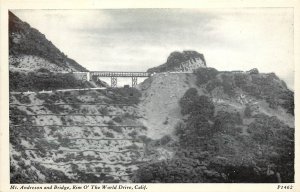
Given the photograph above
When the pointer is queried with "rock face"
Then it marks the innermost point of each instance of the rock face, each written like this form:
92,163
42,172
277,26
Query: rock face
29,50
186,61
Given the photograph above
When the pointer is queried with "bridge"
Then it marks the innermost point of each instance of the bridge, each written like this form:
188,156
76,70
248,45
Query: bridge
114,75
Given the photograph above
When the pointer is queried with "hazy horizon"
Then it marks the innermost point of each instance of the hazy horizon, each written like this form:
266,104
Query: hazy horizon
138,39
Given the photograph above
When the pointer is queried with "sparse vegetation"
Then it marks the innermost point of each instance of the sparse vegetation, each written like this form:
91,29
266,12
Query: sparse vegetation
32,42
108,134
117,119
121,95
23,99
103,110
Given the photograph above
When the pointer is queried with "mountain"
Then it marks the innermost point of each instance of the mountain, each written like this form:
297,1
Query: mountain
29,50
208,126
181,62
35,64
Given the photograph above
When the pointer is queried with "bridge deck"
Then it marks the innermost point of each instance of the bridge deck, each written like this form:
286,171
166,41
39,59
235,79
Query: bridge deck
119,74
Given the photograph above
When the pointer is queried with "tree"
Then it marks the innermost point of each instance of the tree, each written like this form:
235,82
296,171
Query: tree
205,74
193,104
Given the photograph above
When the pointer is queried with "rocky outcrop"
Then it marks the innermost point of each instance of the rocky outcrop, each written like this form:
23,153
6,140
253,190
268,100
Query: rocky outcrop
186,61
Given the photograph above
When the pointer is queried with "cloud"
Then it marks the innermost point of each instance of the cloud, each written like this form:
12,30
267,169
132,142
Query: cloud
137,39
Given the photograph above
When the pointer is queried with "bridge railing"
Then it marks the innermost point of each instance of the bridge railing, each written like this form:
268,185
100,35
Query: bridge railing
119,74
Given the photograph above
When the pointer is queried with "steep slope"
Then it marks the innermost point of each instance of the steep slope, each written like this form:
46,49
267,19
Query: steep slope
29,50
79,136
35,64
206,126
186,61
159,101
230,127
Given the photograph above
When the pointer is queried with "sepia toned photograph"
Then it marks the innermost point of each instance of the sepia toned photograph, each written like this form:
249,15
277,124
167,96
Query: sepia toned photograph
157,95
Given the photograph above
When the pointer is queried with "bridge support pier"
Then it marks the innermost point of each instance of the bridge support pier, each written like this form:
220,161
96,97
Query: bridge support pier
134,81
114,82
88,76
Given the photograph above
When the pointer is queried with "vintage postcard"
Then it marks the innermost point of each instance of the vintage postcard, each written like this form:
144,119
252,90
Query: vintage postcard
148,97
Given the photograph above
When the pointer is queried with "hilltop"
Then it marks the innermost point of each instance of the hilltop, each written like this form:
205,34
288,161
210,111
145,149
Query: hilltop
30,50
186,61
35,64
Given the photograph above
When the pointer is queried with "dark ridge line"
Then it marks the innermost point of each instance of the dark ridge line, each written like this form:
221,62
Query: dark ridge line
131,126
93,162
107,104
124,151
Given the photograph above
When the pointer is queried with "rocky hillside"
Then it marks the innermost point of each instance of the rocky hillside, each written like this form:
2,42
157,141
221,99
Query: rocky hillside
186,61
79,136
35,64
29,50
202,126
206,126
218,127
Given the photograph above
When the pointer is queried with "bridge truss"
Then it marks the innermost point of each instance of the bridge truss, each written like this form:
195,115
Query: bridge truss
114,75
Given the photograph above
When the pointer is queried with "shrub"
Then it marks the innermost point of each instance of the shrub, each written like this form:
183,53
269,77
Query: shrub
262,129
226,122
108,134
204,75
288,101
172,171
165,139
198,126
24,99
19,81
55,108
247,111
128,116
117,119
116,128
123,95
228,84
103,111
211,85
43,70
273,103
192,103
194,133
241,79
133,134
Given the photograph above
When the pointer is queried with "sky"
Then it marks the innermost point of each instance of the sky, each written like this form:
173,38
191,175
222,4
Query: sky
137,39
